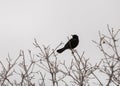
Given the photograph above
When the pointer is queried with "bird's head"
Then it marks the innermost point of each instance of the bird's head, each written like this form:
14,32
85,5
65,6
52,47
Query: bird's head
74,36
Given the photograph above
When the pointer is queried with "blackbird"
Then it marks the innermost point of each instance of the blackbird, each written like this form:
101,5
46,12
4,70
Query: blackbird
71,44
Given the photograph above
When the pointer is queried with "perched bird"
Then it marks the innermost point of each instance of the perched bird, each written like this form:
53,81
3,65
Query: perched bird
71,44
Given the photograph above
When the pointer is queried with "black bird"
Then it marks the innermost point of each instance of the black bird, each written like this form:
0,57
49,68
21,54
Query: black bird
71,44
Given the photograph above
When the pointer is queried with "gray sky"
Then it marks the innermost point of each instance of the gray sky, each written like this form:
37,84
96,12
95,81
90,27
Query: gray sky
52,21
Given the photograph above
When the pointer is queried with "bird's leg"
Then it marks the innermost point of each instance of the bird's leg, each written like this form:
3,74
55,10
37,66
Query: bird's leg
72,51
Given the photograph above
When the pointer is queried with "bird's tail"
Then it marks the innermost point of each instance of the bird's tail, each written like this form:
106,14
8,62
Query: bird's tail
61,50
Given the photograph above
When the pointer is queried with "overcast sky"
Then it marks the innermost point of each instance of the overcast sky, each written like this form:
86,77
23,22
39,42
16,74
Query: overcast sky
52,21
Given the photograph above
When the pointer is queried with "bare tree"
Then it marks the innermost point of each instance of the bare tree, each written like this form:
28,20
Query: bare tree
48,62
43,66
110,66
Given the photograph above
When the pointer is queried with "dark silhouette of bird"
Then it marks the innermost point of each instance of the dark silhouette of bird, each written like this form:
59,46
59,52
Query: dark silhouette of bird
71,44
